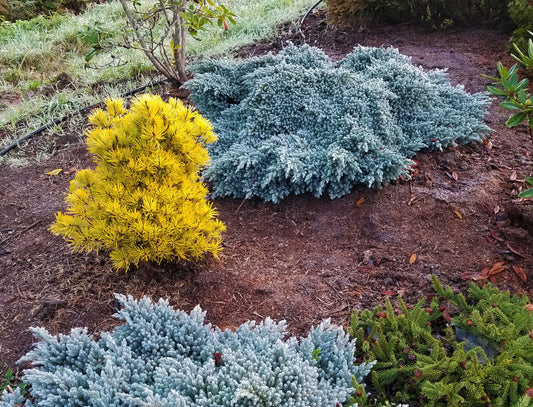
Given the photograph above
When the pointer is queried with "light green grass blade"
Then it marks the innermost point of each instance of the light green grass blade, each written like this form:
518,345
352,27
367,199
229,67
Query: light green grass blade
36,54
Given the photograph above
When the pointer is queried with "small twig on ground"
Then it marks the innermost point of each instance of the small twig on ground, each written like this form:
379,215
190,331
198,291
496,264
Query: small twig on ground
514,251
240,206
21,232
336,291
415,199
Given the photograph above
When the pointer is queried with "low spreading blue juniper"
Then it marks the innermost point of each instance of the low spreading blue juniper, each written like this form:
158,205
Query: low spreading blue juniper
297,122
161,357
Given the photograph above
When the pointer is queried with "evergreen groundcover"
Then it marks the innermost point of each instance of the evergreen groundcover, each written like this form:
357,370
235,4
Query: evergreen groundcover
161,357
297,122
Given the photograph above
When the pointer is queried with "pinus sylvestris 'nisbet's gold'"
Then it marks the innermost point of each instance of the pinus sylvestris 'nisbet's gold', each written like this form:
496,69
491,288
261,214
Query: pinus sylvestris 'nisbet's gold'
145,201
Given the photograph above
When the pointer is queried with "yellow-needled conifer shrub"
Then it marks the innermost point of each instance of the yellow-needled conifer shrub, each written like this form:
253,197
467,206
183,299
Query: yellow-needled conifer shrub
144,201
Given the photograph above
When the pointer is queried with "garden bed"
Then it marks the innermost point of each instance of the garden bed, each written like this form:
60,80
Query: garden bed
305,258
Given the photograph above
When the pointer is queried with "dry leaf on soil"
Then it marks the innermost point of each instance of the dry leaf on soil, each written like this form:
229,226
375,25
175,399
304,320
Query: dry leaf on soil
54,172
412,259
495,236
486,208
519,271
495,269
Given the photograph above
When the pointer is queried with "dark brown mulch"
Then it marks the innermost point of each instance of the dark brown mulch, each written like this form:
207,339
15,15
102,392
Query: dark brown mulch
306,258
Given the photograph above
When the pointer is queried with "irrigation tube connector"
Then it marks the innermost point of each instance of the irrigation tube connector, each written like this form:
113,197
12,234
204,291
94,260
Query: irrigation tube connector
74,112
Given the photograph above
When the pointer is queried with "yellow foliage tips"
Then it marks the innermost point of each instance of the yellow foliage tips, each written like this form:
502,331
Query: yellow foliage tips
144,201
100,119
115,107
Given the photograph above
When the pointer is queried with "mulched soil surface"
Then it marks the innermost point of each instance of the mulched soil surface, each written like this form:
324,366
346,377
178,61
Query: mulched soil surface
305,258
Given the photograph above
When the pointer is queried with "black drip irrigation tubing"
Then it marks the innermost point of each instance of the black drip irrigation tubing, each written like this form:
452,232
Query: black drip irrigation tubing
74,112
309,11
84,109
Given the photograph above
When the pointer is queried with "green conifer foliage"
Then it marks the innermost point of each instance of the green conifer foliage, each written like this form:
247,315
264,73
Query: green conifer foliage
144,201
450,350
299,123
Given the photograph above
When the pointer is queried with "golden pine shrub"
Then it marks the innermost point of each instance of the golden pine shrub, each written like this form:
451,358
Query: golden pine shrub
145,201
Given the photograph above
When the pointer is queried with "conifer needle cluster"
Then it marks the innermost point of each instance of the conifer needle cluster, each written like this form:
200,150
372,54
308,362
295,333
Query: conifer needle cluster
450,350
144,201
298,122
166,358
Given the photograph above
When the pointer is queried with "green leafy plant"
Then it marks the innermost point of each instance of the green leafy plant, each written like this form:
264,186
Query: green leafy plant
521,14
526,60
450,349
144,201
158,28
11,382
516,95
528,193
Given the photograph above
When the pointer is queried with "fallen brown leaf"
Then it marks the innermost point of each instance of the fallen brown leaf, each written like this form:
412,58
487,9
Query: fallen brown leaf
468,275
412,258
519,271
489,239
490,272
495,236
497,268
486,208
488,144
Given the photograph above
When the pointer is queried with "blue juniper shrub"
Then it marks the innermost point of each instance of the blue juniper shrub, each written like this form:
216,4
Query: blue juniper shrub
161,357
297,122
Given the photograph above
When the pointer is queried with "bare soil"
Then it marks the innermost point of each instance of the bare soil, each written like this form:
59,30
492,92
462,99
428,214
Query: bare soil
303,259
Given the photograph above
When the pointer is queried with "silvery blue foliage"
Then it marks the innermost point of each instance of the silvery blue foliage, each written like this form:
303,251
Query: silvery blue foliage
296,122
161,357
